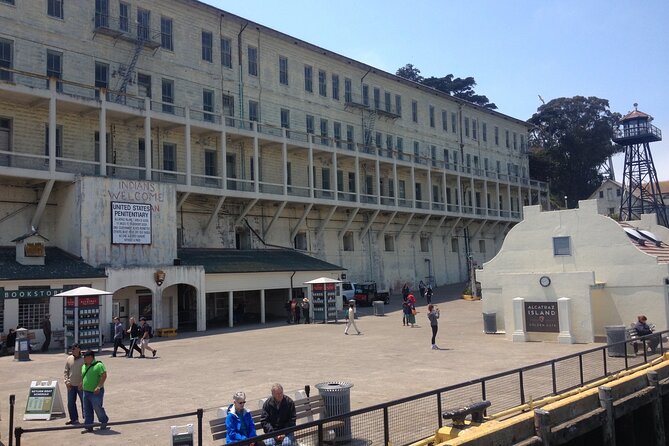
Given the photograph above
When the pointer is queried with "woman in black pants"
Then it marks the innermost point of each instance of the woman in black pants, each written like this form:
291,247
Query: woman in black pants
134,337
433,316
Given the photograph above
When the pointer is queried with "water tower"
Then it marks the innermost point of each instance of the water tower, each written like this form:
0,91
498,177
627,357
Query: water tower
641,191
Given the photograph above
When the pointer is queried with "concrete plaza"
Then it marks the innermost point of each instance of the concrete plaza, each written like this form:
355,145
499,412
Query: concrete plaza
203,370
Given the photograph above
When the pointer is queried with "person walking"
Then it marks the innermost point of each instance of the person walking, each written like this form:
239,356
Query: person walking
297,311
421,289
118,337
146,333
411,310
46,328
405,310
72,379
94,376
433,316
305,310
428,294
351,318
134,337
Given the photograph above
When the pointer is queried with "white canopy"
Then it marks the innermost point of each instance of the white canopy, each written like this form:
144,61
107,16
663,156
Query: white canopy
82,291
323,280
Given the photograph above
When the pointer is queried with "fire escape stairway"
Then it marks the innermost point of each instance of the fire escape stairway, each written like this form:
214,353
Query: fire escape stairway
127,75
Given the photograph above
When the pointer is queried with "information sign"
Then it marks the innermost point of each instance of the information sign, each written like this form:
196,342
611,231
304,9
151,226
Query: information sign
542,317
44,400
131,223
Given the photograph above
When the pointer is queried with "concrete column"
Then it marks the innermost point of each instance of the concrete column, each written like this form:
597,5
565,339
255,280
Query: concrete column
231,309
52,132
429,188
609,423
396,186
189,150
519,334
284,162
333,177
311,178
357,178
262,306
224,157
377,169
102,143
564,315
201,305
256,160
413,187
157,308
148,160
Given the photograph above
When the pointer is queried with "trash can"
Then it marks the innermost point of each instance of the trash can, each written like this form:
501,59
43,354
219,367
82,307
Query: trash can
337,401
490,323
615,334
378,308
22,345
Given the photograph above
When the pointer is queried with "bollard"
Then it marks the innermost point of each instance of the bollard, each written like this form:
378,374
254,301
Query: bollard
12,399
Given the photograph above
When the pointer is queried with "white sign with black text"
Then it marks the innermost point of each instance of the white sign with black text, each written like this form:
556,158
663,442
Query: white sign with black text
131,223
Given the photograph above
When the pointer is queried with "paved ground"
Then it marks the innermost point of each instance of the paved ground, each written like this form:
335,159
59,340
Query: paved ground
386,362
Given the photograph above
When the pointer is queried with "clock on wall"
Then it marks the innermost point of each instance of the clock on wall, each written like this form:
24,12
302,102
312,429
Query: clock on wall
544,281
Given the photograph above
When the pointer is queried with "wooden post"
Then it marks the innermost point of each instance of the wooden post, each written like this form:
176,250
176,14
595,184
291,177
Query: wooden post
542,426
656,407
609,426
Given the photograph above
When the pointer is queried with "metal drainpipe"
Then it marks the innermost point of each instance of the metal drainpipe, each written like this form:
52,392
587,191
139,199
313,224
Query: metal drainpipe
241,71
290,292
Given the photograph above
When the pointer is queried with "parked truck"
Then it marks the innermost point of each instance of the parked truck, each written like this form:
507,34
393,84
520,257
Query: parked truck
367,292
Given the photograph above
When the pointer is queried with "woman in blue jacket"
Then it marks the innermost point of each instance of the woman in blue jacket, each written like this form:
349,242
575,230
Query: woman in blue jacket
239,423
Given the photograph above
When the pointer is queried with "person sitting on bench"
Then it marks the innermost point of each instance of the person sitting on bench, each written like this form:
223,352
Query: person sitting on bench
278,413
643,329
239,422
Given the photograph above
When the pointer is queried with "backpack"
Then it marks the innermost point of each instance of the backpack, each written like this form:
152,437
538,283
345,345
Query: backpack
150,328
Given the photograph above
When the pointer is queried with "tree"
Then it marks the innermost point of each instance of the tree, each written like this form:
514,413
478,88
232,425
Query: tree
572,138
457,87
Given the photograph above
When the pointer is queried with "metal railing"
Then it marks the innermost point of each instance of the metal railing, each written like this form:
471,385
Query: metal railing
388,423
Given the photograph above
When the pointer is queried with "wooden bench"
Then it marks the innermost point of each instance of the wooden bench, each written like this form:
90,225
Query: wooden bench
166,332
637,342
308,409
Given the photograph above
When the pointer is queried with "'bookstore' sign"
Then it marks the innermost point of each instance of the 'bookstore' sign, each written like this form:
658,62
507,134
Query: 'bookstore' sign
131,223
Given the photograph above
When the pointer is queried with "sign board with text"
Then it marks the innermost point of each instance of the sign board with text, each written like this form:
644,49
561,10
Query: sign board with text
131,223
542,317
44,401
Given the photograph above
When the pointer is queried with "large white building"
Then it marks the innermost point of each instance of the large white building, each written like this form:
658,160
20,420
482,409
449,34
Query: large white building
135,133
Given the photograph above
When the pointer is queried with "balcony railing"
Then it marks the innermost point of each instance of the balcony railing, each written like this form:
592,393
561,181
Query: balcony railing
126,29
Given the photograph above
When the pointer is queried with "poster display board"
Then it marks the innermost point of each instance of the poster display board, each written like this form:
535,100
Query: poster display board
318,301
542,317
131,223
81,317
182,435
44,401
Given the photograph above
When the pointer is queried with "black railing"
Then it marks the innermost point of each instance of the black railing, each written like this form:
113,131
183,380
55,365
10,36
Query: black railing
415,417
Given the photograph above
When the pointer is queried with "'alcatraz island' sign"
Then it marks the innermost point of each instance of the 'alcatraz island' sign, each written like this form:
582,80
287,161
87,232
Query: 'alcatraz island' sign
131,223
542,316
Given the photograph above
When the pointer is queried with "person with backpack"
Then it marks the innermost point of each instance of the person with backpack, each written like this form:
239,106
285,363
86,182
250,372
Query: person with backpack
146,334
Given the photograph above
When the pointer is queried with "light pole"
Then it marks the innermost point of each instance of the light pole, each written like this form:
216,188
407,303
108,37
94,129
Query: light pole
565,202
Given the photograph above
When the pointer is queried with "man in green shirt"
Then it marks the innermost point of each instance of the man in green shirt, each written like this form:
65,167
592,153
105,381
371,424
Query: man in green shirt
94,376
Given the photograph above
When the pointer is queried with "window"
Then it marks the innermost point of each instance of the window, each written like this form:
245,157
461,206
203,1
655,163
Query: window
208,105
466,127
325,178
482,246
391,187
207,47
5,139
351,182
400,148
144,85
484,131
454,122
254,111
9,2
170,157
398,104
506,139
210,163
522,143
283,70
347,90
168,95
455,245
310,124
414,111
474,129
348,241
389,242
59,142
32,310
377,139
301,241
424,244
253,60
515,141
617,192
101,77
226,52
444,120
166,40
377,99
601,194
365,94
349,137
308,78
54,67
124,16
335,86
496,133
324,131
340,180
285,118
289,173
322,83
109,151
389,144
416,151
419,192
561,246
387,102
431,110
101,13
55,8
143,23
228,104
337,134
5,59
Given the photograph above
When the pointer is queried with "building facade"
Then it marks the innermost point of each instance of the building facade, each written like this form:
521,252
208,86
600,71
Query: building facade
132,129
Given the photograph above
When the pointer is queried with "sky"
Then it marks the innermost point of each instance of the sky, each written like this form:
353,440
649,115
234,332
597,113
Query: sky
516,50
